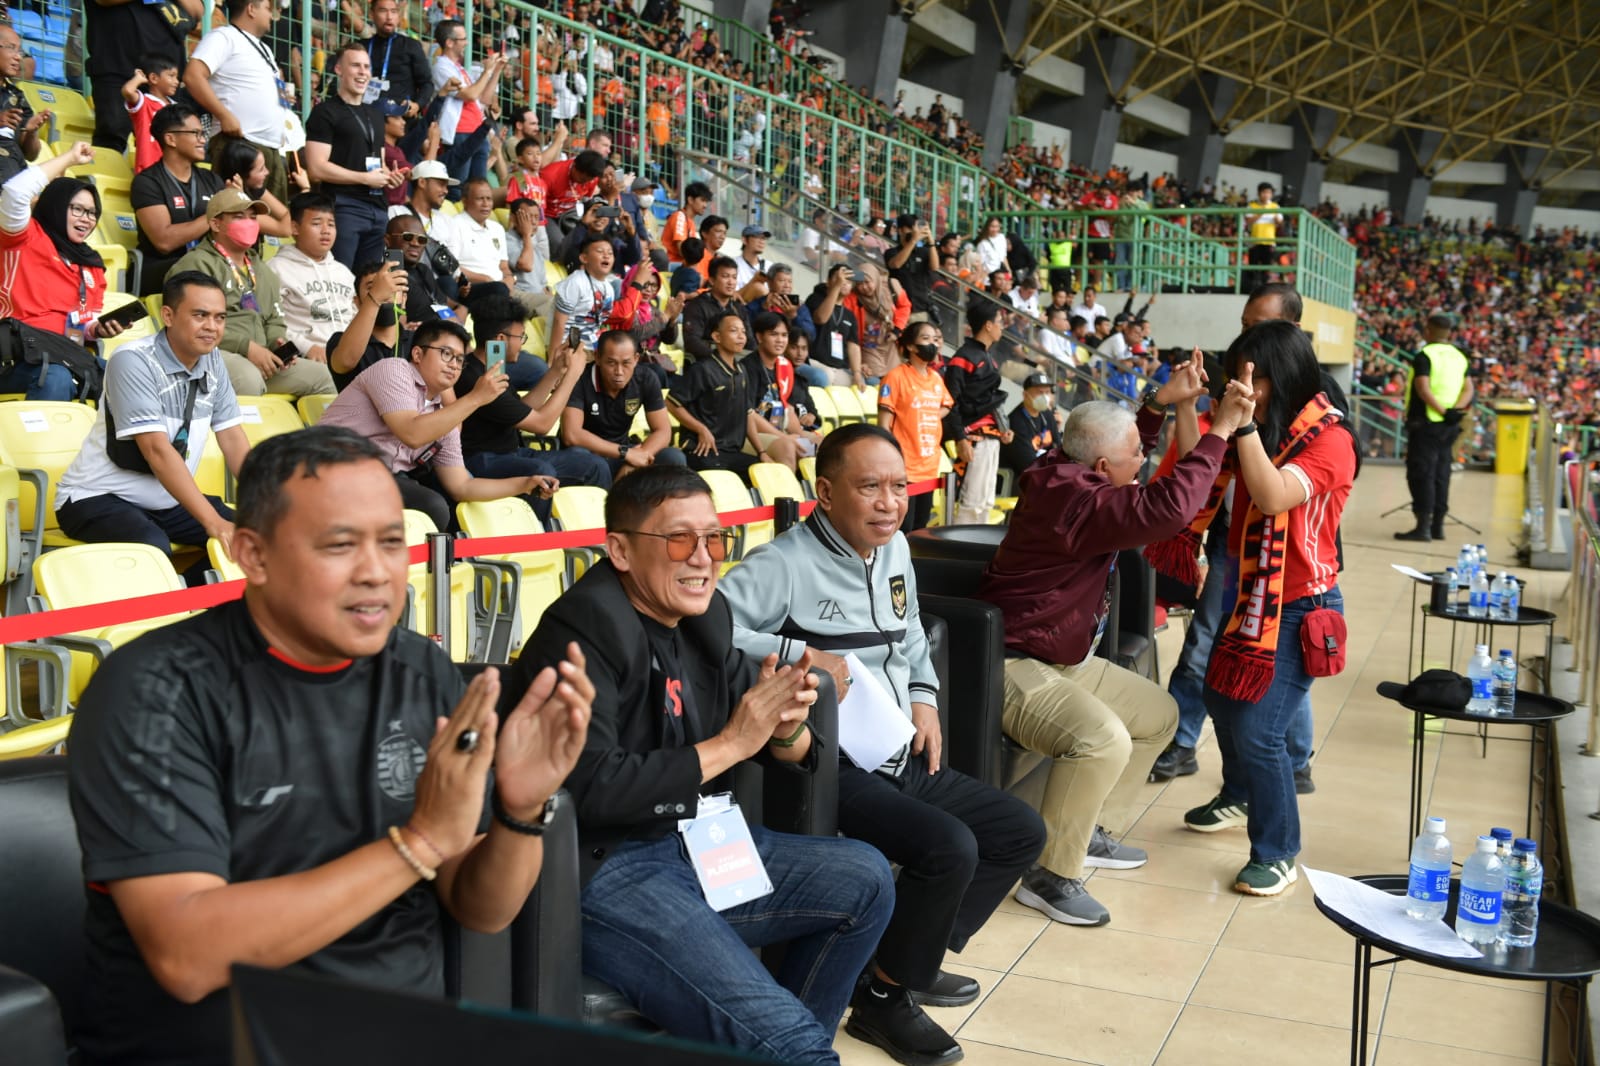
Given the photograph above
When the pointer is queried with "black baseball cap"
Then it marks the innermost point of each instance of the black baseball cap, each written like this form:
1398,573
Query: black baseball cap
1035,381
1444,689
906,221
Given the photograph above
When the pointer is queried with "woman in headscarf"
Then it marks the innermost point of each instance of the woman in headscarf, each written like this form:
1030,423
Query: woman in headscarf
51,278
637,311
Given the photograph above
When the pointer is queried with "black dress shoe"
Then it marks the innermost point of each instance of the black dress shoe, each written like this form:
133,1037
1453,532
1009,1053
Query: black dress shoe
1303,785
1418,534
885,1017
948,990
1176,761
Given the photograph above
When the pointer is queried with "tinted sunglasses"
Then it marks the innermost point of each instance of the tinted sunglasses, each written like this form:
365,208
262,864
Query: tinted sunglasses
683,544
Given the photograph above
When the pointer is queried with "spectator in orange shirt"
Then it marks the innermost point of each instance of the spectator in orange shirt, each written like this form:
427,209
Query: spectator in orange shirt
912,403
681,223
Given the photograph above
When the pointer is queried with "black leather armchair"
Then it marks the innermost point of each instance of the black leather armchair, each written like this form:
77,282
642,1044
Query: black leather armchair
41,936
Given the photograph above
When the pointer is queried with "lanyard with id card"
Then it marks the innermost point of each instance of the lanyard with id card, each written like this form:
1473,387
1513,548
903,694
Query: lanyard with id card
723,854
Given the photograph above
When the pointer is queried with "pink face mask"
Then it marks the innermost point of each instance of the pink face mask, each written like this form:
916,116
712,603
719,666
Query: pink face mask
244,231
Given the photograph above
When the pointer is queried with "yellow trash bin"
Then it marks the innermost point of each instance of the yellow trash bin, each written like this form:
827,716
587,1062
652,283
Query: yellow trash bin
1513,428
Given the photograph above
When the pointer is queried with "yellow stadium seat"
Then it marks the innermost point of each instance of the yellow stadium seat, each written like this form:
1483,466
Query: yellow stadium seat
145,327
808,475
53,665
81,575
451,207
540,574
73,117
41,438
773,481
579,507
226,569
36,738
827,413
867,397
118,224
730,493
534,339
212,474
118,259
110,163
554,273
311,407
268,416
847,402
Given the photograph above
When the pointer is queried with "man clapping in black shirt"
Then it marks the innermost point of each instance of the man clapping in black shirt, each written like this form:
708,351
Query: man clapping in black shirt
265,783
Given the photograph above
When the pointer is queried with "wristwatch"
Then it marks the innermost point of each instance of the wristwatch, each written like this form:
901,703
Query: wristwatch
529,829
622,450
1148,398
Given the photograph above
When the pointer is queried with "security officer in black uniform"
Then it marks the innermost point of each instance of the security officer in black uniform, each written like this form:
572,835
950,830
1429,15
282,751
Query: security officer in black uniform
1439,394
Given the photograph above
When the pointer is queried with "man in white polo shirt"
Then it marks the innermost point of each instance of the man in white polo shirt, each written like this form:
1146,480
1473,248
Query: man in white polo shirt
233,75
134,479
481,240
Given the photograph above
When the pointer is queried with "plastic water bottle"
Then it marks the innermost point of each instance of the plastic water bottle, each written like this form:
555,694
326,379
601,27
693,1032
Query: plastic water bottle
1480,671
1502,842
1483,880
1505,683
1478,603
1428,893
1497,596
1519,905
1483,558
1513,599
1464,560
1453,581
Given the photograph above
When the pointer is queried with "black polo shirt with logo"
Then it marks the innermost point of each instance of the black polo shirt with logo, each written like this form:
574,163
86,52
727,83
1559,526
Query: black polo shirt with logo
719,396
611,417
200,749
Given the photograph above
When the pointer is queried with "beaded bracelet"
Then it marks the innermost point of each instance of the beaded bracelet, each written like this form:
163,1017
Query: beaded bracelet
427,873
420,835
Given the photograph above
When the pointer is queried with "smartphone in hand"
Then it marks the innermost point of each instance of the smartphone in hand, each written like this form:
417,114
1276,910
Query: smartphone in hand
497,355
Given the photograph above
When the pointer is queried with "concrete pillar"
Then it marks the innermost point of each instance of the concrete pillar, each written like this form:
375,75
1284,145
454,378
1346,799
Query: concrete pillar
1515,200
871,40
992,76
1305,166
1409,188
1095,118
1200,152
752,13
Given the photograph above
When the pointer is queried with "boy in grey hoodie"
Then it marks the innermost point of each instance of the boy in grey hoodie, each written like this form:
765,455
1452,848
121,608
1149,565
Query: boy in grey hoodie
318,291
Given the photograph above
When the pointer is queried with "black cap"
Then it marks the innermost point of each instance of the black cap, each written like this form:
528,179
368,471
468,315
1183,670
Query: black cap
906,221
1036,381
1444,689
658,259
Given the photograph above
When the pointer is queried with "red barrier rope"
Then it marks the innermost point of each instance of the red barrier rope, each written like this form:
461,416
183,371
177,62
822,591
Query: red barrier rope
96,616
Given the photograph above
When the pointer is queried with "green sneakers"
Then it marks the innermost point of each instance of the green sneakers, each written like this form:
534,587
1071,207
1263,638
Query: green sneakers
1220,813
1266,878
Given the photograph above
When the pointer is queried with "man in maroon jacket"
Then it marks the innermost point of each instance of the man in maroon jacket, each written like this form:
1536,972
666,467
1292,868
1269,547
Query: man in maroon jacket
1102,725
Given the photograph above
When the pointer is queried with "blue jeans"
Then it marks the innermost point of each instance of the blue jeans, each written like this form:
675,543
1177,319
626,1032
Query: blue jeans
571,466
648,932
1254,738
815,377
467,159
359,237
57,385
1187,684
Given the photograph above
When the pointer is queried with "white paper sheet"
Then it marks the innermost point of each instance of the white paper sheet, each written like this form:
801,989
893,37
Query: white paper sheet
1385,915
1415,575
872,726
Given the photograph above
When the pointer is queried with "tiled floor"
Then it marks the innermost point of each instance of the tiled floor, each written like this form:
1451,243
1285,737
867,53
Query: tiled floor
1190,974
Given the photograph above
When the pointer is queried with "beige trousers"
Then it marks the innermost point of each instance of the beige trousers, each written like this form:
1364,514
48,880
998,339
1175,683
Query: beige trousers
1103,726
977,487
303,377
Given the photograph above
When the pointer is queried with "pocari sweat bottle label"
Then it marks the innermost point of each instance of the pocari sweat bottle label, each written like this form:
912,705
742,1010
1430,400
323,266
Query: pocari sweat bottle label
1430,885
1479,906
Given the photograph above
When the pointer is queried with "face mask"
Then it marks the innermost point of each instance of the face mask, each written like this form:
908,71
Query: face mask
930,352
385,317
646,199
1041,402
243,231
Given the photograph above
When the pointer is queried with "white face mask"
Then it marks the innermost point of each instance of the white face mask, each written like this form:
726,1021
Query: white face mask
1041,402
646,199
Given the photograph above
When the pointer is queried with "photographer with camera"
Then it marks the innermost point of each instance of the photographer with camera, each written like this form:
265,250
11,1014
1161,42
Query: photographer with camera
609,221
913,262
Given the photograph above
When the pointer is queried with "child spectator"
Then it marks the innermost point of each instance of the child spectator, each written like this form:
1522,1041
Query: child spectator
317,291
148,91
394,129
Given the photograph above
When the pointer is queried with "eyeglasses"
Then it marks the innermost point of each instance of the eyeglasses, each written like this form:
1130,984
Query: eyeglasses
191,133
449,356
683,544
78,211
412,238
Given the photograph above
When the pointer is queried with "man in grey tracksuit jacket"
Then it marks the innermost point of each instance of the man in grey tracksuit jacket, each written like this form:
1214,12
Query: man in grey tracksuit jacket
961,843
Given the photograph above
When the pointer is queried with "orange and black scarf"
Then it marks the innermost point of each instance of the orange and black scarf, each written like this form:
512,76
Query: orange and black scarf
1244,657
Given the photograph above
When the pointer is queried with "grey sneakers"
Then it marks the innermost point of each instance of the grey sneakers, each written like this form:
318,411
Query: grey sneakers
1062,898
1109,854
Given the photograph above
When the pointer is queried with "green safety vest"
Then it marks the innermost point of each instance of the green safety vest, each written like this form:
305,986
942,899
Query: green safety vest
1060,255
1447,376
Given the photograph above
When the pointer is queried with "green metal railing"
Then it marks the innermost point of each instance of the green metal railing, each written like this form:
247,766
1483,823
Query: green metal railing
1196,250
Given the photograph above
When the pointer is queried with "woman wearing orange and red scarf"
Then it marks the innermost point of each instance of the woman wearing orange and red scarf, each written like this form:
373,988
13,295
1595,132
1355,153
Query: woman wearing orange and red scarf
1293,477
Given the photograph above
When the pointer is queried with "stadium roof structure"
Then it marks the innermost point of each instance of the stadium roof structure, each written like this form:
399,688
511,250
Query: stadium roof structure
1460,80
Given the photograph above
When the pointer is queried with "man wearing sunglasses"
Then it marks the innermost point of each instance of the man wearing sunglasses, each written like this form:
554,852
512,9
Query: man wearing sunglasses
427,297
676,708
842,581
